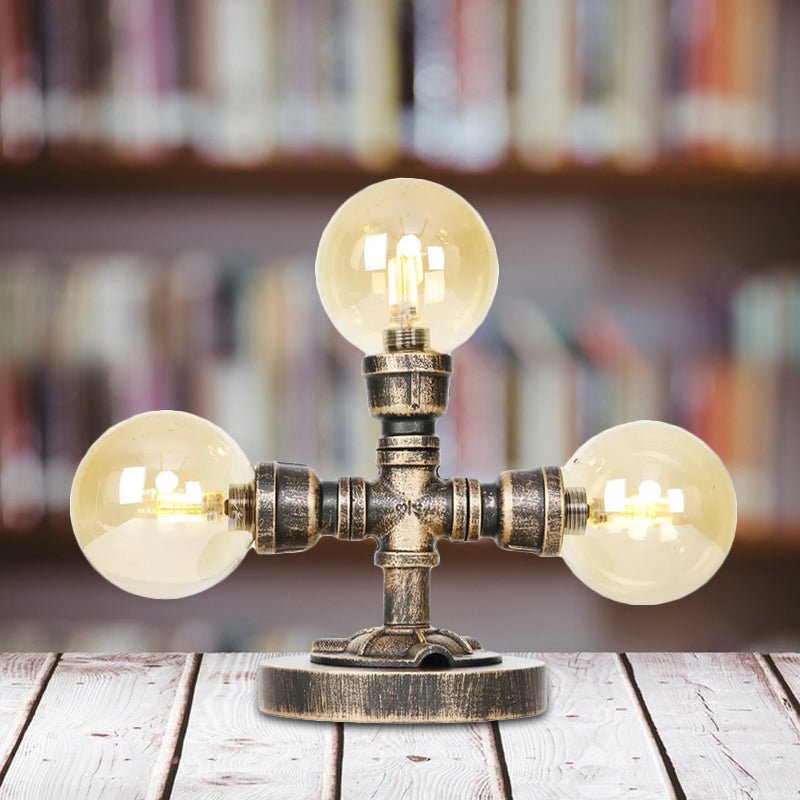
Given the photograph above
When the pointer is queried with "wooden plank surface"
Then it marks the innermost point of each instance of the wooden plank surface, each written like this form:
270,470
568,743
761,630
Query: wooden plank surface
232,750
788,664
421,761
593,741
712,725
106,727
21,679
725,722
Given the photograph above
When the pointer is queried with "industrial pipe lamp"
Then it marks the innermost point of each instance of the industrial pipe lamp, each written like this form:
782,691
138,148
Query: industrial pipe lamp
166,504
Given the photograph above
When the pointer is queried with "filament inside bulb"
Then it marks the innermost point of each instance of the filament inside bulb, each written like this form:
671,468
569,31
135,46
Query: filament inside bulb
166,498
405,275
647,508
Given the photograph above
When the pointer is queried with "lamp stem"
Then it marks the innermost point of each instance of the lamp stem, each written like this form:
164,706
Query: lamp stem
407,597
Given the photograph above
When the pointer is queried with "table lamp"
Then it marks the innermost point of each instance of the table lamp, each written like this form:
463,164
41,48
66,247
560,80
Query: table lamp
165,504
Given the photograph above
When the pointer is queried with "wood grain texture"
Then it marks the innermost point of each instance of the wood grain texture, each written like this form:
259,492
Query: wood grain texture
788,665
593,740
110,727
21,678
725,721
232,750
421,761
106,727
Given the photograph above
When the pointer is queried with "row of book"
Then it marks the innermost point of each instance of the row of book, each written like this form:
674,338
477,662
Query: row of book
94,339
456,82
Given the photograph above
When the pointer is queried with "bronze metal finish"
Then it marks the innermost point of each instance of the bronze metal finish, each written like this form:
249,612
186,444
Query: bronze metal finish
288,514
290,686
406,669
531,511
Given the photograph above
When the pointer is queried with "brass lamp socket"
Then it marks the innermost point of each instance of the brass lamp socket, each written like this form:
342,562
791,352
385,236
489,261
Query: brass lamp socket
407,384
283,506
535,511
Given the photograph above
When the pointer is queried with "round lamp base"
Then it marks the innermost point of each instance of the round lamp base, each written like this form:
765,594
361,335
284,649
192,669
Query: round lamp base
293,686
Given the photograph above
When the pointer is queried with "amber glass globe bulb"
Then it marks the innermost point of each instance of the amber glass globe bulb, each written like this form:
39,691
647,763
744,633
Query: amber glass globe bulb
148,504
662,513
406,254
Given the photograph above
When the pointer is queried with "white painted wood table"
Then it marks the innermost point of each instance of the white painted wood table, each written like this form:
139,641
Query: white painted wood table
711,726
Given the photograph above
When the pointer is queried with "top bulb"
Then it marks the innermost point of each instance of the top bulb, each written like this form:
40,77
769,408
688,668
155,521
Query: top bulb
406,256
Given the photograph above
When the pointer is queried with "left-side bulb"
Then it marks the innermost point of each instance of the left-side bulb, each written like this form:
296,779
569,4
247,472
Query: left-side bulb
149,504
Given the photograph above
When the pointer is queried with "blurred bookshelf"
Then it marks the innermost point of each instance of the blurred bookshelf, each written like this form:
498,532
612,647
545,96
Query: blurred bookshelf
658,141
615,91
89,339
181,172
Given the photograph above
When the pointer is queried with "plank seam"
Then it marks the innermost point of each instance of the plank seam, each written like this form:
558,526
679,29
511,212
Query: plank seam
659,742
4,768
338,759
773,671
169,781
497,743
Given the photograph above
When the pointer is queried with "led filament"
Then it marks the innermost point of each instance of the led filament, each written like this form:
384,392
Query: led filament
648,509
406,274
166,499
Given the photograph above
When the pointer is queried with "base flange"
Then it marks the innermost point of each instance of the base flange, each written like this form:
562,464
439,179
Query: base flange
394,647
293,686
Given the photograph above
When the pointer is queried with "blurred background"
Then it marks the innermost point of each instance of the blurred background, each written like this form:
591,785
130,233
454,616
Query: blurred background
167,168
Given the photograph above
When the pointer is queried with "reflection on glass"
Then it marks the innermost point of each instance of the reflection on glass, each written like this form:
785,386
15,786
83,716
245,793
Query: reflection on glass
406,253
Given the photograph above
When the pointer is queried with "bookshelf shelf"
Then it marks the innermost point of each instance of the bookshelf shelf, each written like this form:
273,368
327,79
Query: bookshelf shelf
53,542
182,172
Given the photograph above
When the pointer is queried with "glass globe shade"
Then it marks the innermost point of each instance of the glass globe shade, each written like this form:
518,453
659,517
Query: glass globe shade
147,504
406,253
662,513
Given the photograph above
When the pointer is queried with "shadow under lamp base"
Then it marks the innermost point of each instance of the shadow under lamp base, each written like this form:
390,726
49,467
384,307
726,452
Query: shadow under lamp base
294,686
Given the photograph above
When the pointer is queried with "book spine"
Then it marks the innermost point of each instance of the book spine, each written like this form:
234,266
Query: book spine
97,126
238,39
481,129
374,121
297,78
787,77
592,130
544,80
639,81
21,101
751,125
435,79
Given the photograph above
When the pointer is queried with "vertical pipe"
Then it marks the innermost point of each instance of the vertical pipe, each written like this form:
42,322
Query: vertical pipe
407,596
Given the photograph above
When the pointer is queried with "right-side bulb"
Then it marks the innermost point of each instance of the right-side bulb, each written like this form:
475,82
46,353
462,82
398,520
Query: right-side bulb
662,513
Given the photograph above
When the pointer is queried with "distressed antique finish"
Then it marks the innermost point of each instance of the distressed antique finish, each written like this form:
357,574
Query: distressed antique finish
407,509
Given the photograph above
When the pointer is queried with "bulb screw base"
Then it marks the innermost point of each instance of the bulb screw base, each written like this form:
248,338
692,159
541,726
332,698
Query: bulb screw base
240,506
400,339
407,384
576,510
